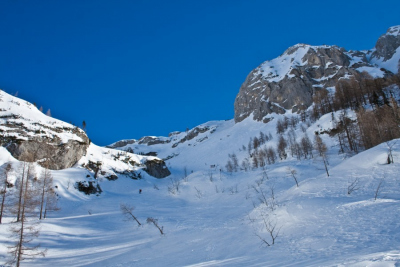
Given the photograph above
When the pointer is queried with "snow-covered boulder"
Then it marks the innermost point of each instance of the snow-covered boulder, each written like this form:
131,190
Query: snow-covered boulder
30,135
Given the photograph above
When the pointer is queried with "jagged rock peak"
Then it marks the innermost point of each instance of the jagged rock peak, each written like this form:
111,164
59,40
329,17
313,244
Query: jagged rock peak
289,81
387,44
299,55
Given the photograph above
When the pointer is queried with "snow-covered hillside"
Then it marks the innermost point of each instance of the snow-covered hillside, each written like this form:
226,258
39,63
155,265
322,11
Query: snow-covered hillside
215,218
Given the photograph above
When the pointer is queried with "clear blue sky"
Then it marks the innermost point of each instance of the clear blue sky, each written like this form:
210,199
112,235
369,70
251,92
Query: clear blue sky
147,67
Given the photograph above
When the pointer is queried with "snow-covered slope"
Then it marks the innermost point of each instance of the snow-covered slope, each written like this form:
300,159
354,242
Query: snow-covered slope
30,135
215,217
18,112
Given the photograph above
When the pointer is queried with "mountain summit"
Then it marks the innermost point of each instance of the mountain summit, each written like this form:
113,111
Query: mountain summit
289,81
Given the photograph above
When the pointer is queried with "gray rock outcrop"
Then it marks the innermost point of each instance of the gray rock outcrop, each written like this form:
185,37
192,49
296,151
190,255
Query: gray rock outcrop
157,168
387,44
48,151
30,135
290,81
271,88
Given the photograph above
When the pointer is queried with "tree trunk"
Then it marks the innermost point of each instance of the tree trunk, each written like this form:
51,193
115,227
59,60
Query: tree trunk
4,198
21,192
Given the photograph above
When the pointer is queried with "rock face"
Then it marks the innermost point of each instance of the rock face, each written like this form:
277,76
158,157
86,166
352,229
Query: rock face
122,143
387,44
157,168
289,81
48,153
30,135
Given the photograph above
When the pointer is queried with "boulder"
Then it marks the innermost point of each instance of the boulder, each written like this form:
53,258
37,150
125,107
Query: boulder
156,168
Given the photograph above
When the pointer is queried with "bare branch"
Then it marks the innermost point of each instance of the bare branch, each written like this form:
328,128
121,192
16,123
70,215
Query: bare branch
353,186
127,211
153,221
378,189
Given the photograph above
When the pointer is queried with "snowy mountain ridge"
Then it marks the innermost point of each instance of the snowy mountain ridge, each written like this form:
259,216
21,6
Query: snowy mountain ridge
289,81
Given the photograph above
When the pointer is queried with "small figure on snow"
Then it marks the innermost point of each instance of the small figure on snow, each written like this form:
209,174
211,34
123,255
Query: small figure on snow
140,191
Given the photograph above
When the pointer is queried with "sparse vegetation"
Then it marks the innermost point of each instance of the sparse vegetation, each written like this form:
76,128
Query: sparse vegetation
151,220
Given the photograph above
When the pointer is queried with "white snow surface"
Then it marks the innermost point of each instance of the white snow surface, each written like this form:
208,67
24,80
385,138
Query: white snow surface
391,64
213,219
374,72
394,30
36,123
276,69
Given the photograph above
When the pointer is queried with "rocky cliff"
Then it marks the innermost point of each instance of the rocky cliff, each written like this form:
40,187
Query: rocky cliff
30,135
289,81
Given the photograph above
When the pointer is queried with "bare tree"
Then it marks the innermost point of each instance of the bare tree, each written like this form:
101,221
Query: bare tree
378,189
262,195
174,185
46,186
245,164
272,202
306,146
185,174
271,227
229,166
282,144
271,155
390,150
3,191
320,146
235,162
20,184
280,129
25,230
353,186
127,211
210,176
199,194
51,202
293,173
28,172
153,221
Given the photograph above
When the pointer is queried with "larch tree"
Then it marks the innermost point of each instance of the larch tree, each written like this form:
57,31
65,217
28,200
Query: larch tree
25,229
5,185
47,193
321,148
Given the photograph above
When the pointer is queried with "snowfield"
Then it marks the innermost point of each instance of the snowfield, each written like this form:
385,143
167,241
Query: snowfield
215,218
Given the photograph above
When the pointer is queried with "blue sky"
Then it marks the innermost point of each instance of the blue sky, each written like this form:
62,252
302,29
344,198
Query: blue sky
147,67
